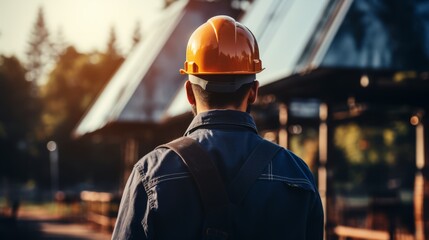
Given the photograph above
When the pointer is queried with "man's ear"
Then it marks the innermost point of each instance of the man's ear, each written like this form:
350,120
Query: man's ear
253,94
190,93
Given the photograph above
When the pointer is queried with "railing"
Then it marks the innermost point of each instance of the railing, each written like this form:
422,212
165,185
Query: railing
344,232
100,208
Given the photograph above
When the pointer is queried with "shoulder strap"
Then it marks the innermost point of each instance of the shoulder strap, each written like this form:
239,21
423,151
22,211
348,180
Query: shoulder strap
258,160
209,183
212,191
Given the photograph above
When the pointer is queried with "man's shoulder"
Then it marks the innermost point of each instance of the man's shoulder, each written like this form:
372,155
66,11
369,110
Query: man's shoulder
288,167
161,164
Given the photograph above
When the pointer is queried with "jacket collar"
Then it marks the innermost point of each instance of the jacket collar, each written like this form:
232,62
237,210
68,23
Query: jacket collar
222,117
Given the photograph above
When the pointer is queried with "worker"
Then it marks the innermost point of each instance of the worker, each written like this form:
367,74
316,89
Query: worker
221,180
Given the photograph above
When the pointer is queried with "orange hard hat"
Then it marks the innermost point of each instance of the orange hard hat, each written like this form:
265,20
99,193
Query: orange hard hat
222,46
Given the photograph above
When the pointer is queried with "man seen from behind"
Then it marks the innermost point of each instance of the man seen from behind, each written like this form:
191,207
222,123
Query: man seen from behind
222,180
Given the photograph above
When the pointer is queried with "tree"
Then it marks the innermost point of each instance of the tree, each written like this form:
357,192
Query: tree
70,90
111,59
59,45
382,34
137,36
40,50
112,48
18,118
167,3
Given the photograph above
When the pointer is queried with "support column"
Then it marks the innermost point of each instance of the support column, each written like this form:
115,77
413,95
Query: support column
323,156
283,117
419,182
130,158
425,173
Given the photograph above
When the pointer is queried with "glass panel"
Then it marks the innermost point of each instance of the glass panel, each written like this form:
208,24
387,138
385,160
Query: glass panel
304,142
382,34
372,180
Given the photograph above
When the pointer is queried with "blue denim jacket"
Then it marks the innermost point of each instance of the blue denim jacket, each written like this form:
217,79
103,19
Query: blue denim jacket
161,201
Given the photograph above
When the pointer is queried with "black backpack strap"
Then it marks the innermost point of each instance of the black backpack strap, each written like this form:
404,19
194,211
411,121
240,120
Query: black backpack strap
255,164
209,183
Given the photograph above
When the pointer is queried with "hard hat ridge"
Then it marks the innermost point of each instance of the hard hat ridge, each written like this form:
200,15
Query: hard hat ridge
222,46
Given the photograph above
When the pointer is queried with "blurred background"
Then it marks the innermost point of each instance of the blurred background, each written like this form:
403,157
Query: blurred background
88,87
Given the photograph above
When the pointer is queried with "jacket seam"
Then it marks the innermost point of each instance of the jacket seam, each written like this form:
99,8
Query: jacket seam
165,178
149,192
286,178
283,180
289,181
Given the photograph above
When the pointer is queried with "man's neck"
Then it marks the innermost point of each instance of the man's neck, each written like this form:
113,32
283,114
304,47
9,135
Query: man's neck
201,109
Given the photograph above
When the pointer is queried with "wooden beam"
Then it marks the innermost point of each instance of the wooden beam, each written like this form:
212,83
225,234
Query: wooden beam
345,232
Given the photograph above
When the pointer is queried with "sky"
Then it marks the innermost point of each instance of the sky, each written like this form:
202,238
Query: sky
84,24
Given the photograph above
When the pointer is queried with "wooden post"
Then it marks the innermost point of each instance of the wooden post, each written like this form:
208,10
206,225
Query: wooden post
323,156
419,182
283,117
130,158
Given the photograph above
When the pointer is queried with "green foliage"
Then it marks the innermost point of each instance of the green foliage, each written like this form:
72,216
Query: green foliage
73,85
347,137
306,146
40,50
15,91
33,114
18,117
71,88
137,36
167,3
369,157
112,48
370,145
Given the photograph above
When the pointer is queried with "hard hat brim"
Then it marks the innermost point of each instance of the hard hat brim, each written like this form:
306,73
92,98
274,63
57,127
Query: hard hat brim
183,71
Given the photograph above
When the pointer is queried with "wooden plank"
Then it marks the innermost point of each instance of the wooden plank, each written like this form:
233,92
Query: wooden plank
344,231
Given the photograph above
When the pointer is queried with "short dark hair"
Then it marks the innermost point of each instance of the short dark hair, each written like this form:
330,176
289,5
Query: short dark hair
219,100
